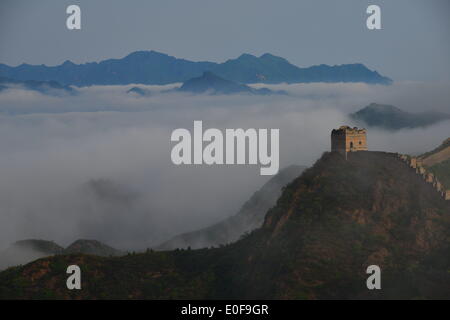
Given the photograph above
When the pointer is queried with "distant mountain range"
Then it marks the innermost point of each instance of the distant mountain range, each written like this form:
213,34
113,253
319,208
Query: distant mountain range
45,87
151,67
393,118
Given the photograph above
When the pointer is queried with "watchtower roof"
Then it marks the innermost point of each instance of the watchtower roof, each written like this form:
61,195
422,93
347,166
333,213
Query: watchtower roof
347,129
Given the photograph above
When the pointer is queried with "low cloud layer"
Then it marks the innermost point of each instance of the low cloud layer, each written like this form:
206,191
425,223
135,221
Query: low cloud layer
97,165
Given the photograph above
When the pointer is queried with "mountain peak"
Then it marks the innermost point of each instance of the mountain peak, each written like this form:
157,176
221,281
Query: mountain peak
141,53
246,56
210,82
271,57
93,247
382,108
68,63
145,54
268,55
393,118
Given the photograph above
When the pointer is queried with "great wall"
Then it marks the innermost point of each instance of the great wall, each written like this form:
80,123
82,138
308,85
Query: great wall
429,177
347,139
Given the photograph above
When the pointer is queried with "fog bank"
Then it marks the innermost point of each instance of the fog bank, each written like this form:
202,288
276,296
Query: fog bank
97,165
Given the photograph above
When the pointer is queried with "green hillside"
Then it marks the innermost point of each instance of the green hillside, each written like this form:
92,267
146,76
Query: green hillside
444,145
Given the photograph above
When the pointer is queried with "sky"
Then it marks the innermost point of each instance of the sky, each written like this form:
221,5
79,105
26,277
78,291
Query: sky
413,44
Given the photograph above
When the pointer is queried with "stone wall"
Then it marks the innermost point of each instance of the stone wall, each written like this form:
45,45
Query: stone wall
429,177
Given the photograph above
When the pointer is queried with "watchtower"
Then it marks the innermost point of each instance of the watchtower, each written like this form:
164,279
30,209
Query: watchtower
346,139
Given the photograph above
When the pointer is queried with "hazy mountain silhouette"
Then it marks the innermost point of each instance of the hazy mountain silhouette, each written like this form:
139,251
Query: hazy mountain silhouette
249,217
24,251
151,67
210,83
393,118
139,91
93,247
45,87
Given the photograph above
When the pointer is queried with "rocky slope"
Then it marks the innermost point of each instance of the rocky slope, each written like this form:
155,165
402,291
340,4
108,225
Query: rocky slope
329,224
440,154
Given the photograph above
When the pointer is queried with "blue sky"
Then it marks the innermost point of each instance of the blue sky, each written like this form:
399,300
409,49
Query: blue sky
413,44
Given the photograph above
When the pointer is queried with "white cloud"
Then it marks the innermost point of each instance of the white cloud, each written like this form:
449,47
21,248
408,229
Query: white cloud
53,146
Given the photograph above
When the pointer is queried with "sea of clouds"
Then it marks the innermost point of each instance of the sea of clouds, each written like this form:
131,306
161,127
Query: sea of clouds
97,165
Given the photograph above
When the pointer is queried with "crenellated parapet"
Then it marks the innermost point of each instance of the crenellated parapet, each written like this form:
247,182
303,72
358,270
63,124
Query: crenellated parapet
438,186
413,162
422,171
